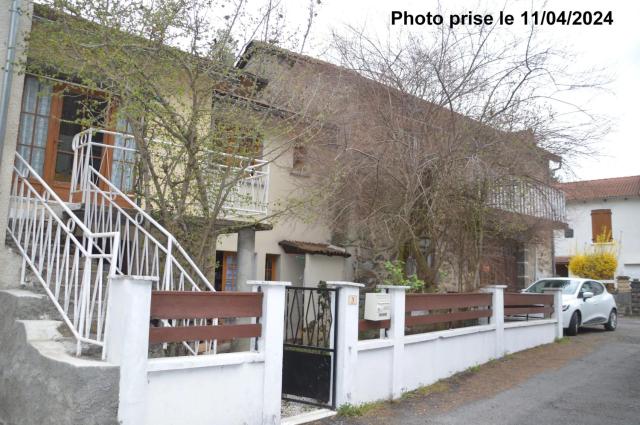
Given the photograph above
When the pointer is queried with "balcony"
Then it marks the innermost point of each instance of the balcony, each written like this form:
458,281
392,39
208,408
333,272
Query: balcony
531,199
244,181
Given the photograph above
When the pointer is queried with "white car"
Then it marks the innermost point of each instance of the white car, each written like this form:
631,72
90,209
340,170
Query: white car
584,302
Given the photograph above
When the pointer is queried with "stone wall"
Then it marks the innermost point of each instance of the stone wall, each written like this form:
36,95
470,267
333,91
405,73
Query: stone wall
635,297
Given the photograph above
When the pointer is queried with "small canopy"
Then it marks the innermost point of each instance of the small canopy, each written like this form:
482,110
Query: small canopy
298,247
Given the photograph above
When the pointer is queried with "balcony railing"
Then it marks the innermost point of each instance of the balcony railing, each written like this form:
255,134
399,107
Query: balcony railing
531,199
246,179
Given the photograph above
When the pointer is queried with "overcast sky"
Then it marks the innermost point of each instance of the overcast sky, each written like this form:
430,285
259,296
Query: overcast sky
616,47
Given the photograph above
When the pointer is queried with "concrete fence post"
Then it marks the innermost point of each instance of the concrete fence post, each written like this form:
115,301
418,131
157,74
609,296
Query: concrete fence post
396,334
557,309
497,315
127,342
348,298
270,344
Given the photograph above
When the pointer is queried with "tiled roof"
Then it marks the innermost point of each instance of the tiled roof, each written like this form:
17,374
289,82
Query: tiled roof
298,247
603,188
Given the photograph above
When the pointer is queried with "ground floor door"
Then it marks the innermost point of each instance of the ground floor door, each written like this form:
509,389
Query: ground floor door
310,344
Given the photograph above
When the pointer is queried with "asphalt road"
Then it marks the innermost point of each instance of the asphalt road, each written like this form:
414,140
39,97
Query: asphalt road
599,384
602,387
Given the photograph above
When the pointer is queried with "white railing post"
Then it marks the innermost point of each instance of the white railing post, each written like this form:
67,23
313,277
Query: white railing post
557,309
497,315
127,342
396,334
348,300
270,344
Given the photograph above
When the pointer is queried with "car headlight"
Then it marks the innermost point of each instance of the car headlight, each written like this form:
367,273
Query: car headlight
565,307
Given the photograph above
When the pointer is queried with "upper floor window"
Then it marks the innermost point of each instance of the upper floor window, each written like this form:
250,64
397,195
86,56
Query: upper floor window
601,230
299,158
34,122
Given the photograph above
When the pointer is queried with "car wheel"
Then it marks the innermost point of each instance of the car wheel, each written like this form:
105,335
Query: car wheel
612,324
574,324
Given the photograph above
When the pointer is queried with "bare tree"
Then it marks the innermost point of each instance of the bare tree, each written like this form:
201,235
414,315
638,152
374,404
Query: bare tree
443,134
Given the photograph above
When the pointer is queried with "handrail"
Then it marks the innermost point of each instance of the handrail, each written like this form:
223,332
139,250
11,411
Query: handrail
113,190
54,254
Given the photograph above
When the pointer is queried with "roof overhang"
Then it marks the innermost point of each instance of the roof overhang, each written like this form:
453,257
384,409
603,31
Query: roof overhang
299,247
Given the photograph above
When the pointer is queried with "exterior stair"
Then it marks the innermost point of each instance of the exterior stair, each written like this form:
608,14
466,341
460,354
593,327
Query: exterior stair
37,363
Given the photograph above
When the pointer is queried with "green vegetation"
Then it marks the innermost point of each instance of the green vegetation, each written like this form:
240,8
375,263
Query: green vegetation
397,276
350,410
435,388
473,369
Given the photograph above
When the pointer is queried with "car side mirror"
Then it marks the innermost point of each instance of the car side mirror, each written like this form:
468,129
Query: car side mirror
587,295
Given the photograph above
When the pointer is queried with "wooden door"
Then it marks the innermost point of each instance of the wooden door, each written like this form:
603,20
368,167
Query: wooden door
72,111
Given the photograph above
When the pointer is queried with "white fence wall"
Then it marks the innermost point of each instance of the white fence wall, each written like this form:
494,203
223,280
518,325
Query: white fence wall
222,389
206,390
519,336
384,368
245,388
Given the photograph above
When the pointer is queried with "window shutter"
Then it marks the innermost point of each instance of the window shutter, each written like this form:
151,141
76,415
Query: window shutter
601,223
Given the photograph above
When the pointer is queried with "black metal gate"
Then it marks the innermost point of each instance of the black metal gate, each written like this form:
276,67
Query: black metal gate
310,342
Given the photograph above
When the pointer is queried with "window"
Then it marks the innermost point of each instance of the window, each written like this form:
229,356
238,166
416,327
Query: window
34,122
568,233
586,287
601,230
78,111
597,288
299,157
123,165
568,286
270,264
229,277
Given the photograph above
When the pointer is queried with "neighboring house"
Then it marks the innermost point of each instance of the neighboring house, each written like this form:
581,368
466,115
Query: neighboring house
597,206
350,102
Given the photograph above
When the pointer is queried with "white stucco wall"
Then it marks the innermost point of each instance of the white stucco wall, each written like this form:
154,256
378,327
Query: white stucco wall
625,223
322,267
228,394
283,187
429,357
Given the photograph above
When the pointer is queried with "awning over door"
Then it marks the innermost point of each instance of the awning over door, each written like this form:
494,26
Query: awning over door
299,247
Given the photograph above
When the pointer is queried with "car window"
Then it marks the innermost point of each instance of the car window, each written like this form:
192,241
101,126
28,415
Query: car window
568,286
586,287
597,288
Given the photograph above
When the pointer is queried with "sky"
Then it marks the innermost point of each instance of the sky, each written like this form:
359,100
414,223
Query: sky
614,48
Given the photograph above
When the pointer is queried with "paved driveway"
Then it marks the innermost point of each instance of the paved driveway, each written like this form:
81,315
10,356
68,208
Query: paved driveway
591,379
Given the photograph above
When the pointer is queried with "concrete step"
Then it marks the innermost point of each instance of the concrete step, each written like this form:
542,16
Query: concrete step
41,381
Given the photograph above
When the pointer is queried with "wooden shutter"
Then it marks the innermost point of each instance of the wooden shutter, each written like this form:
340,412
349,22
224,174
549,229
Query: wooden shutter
601,223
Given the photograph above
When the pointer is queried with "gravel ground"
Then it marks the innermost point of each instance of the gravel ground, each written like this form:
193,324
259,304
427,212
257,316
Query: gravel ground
291,408
591,378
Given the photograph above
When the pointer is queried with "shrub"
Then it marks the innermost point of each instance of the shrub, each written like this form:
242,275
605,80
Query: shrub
596,265
396,276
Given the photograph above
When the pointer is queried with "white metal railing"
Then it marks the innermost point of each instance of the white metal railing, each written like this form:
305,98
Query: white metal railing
248,178
146,248
71,262
73,255
530,198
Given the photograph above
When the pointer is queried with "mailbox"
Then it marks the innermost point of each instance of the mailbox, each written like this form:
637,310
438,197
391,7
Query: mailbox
377,306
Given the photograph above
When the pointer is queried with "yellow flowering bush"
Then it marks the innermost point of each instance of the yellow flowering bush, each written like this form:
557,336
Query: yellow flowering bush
597,265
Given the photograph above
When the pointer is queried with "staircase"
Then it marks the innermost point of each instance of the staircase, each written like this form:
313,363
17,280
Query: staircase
72,249
42,380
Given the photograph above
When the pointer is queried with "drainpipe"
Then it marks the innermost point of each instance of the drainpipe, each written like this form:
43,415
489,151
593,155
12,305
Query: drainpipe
7,77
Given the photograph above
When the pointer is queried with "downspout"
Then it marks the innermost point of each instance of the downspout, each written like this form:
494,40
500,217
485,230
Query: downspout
553,235
7,78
